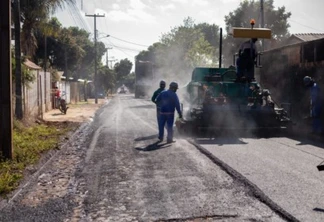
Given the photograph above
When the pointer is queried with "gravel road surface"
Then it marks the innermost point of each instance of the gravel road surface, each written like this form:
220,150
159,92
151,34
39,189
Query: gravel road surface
113,169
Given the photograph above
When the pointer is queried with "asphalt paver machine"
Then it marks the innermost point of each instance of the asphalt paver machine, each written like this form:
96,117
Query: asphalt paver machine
218,100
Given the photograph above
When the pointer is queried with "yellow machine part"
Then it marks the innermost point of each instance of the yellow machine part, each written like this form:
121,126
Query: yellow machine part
260,33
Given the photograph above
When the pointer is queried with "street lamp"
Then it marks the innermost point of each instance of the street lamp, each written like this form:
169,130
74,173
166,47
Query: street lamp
106,36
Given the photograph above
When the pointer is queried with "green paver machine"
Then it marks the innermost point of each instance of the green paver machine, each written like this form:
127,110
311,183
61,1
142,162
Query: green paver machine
218,100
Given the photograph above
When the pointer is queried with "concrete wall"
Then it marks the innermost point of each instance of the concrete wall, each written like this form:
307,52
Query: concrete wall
37,95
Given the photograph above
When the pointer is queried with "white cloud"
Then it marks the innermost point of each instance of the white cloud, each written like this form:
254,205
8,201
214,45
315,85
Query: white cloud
180,1
137,4
118,16
135,11
229,1
141,16
115,6
200,2
168,7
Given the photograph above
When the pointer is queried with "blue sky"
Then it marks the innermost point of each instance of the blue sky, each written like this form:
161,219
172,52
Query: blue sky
135,24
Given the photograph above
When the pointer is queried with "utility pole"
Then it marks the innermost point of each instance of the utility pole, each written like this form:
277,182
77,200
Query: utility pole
262,19
220,47
66,70
95,45
107,56
45,70
5,81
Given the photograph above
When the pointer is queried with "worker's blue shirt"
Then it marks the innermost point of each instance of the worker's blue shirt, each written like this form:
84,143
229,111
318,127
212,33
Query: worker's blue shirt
169,102
316,102
315,94
155,95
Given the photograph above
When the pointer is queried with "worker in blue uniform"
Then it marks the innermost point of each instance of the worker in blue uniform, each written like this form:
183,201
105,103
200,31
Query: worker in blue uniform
169,102
155,95
247,59
315,104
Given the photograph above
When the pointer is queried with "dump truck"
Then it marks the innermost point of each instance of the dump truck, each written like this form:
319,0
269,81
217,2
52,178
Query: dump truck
216,99
143,78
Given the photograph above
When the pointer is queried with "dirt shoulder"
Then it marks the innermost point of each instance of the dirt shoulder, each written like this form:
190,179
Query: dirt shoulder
79,112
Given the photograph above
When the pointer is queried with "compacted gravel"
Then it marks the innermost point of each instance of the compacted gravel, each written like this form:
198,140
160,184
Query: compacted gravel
114,169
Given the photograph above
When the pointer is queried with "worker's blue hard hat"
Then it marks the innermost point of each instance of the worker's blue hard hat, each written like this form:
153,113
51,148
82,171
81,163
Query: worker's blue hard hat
173,85
307,80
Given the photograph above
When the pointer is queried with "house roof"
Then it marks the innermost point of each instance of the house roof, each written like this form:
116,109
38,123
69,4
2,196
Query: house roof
31,65
305,37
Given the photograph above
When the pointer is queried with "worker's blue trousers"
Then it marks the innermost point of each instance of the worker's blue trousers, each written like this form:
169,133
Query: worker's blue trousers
167,119
317,122
317,125
158,111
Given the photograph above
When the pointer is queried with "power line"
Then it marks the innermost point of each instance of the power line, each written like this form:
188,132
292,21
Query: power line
77,15
120,49
306,25
125,40
128,41
129,49
106,24
82,20
71,14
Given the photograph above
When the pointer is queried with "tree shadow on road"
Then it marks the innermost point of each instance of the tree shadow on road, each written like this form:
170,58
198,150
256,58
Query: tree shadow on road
146,137
154,146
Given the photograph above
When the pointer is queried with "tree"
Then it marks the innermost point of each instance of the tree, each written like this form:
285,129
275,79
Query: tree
34,12
183,48
46,36
106,79
275,19
211,34
123,69
130,81
70,49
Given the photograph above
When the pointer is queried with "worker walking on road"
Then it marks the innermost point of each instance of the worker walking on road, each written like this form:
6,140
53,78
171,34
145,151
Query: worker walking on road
169,102
315,104
158,106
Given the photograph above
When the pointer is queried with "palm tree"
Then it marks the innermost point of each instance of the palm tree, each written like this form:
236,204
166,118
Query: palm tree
34,13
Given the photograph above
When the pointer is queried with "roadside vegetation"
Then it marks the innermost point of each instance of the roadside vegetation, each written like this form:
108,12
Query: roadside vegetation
29,144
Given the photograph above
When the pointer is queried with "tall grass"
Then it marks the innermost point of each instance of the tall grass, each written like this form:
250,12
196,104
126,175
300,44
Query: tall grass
29,143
